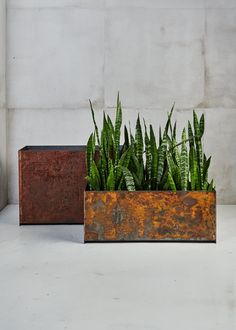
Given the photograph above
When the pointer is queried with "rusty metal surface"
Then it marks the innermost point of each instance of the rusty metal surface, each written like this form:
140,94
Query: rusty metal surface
51,184
150,216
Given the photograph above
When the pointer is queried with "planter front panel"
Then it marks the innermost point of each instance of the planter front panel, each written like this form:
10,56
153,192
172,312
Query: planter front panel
51,185
150,216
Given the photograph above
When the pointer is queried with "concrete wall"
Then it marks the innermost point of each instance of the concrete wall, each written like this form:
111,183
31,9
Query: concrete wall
155,52
3,111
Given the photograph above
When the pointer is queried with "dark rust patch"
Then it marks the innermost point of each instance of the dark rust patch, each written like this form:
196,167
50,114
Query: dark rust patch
179,218
117,216
189,201
150,215
98,204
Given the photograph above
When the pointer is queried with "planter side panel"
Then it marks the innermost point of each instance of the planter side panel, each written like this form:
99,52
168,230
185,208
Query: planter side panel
147,216
51,186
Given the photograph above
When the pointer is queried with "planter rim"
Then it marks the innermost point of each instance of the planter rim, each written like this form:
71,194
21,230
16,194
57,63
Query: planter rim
149,191
53,148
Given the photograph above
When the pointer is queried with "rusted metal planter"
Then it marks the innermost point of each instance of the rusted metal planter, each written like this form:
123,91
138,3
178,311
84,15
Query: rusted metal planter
51,184
150,216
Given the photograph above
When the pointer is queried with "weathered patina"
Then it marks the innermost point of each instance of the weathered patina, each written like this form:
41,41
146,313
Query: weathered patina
150,216
51,184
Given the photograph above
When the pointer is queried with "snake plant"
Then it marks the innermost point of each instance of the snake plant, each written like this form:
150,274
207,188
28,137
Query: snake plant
144,162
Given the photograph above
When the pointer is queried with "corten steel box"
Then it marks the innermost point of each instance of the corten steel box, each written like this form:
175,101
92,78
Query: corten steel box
51,184
150,216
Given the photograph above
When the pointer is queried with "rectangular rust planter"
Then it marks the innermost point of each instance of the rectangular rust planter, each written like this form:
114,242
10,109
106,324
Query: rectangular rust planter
150,216
51,184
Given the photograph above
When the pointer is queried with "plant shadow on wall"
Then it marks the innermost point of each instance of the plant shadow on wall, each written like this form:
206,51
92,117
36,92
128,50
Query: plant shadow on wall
164,180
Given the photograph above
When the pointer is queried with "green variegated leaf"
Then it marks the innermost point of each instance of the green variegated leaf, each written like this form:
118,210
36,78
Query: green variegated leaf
169,142
202,125
193,168
152,139
197,180
160,136
138,184
176,154
148,158
139,141
177,178
118,123
129,180
126,137
90,153
205,186
110,124
103,160
149,165
121,184
94,121
211,186
104,142
170,163
190,135
137,169
123,162
174,170
198,149
170,182
135,161
205,169
95,180
174,131
195,124
111,178
164,185
140,174
184,163
154,154
168,123
90,149
161,158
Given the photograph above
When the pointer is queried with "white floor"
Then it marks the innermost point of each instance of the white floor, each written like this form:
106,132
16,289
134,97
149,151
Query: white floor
50,280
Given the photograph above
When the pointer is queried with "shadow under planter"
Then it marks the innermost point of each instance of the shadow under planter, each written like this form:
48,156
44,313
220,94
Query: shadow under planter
117,216
51,184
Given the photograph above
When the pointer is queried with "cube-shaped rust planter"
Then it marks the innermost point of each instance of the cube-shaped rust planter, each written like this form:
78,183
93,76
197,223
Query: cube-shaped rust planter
51,184
150,216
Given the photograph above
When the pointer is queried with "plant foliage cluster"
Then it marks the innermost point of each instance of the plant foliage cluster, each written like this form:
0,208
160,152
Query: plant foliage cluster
144,162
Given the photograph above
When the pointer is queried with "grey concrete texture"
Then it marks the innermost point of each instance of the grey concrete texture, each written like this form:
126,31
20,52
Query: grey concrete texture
3,111
55,57
2,54
220,87
154,57
50,280
155,52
